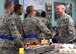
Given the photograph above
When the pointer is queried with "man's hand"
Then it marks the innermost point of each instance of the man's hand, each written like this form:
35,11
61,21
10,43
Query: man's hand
18,43
53,34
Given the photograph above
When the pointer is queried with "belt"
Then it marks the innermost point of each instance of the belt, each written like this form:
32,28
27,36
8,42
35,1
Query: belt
7,37
30,36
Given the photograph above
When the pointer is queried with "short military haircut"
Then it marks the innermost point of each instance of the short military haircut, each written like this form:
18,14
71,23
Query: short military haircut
7,4
43,14
17,6
29,9
63,6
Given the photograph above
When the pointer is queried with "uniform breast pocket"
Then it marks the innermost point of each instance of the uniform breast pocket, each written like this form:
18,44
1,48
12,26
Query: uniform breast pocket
65,21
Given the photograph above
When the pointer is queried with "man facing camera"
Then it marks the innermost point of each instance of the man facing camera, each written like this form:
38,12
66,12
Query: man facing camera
65,23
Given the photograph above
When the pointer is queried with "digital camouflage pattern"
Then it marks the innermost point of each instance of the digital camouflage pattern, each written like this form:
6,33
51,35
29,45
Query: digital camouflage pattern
34,25
10,26
66,29
47,22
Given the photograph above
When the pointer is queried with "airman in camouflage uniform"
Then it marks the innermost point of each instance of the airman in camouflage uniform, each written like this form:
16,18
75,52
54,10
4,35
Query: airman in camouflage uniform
47,22
34,25
10,27
65,26
4,31
66,29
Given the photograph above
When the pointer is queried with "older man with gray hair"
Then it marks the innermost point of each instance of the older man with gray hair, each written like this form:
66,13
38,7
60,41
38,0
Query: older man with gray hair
65,23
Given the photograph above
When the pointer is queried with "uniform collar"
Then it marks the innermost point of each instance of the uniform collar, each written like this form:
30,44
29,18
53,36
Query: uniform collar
7,13
17,16
30,15
63,16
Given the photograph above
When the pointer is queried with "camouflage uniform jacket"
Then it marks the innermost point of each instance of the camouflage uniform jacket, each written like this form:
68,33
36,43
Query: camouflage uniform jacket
10,25
33,25
47,22
66,29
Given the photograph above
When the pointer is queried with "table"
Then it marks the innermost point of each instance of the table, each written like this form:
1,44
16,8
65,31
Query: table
40,50
49,49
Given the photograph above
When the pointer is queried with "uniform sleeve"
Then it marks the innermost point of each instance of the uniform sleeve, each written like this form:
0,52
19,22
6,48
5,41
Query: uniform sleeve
13,29
42,27
49,25
71,28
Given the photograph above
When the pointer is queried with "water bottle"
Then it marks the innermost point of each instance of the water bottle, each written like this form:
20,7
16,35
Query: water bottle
50,41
